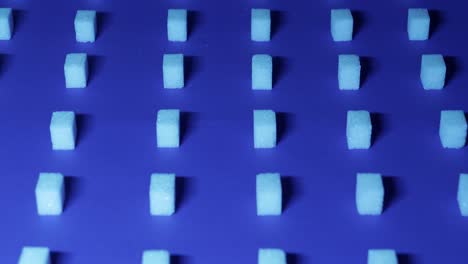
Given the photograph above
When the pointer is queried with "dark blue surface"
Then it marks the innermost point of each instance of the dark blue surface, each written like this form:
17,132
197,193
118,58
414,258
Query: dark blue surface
106,218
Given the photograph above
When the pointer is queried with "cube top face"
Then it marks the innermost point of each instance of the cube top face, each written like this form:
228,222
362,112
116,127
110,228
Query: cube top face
453,119
271,256
75,60
85,16
173,59
431,60
418,13
156,257
34,255
342,24
269,194
49,181
348,60
359,117
262,59
162,181
177,15
62,119
382,256
5,12
168,116
264,117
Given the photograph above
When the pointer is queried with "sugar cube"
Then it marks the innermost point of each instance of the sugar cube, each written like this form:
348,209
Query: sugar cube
269,194
369,193
177,25
262,72
76,70
264,129
50,193
85,26
34,255
358,129
6,23
418,24
260,27
462,194
382,256
453,128
349,72
173,71
341,24
63,130
271,256
433,71
156,257
162,194
168,128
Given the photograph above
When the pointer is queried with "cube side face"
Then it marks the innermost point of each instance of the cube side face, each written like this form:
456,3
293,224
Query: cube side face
382,256
433,71
177,25
34,255
369,194
358,130
418,24
262,72
269,194
271,256
349,72
6,23
63,131
50,194
260,28
76,70
342,25
85,26
264,129
168,128
173,71
156,257
162,194
453,129
462,194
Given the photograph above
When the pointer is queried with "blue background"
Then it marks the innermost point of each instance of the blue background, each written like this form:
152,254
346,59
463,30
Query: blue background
106,218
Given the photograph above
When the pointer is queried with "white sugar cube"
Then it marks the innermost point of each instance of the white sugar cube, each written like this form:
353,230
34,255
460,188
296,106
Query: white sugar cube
63,130
369,193
50,194
269,194
162,194
168,128
264,129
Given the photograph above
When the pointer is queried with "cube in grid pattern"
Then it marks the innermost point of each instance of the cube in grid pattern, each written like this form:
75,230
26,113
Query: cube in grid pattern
50,193
177,25
260,28
63,130
264,128
85,26
6,23
369,193
162,194
168,128
34,255
76,70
